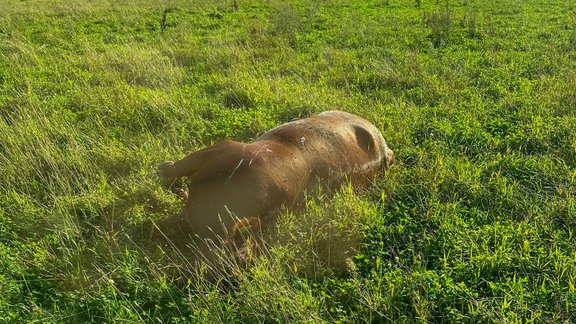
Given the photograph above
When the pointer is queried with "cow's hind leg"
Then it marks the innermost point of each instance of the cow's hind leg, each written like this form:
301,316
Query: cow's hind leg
193,161
182,168
186,166
171,182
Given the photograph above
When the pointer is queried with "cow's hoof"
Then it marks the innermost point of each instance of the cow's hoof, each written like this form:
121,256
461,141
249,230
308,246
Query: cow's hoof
181,193
165,168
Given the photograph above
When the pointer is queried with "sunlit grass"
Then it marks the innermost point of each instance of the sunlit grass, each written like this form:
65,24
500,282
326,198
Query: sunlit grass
475,221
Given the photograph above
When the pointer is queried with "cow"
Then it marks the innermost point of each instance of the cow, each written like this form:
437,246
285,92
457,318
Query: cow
234,185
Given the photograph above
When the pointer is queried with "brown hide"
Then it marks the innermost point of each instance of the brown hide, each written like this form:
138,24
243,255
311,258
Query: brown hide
236,184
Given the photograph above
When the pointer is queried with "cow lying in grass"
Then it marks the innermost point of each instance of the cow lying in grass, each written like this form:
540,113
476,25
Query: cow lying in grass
235,185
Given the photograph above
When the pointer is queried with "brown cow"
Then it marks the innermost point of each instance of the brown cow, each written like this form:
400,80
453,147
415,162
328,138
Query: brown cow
234,184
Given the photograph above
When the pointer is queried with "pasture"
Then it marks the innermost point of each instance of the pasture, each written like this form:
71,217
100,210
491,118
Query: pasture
473,223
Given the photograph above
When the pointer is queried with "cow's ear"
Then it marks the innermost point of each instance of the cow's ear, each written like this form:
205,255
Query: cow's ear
364,138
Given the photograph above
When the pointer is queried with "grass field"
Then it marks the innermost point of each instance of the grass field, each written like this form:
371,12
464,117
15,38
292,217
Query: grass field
474,223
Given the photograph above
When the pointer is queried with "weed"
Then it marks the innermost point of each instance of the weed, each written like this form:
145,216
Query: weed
163,21
440,24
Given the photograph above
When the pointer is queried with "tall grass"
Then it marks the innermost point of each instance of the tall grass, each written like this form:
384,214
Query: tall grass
475,222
